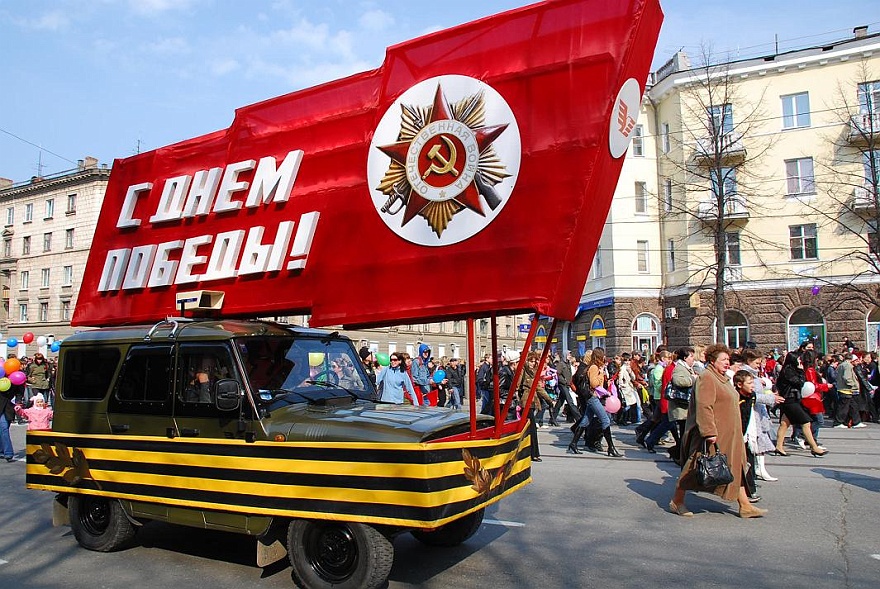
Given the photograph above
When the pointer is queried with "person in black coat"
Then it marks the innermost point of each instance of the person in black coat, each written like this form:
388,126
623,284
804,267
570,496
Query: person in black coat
789,385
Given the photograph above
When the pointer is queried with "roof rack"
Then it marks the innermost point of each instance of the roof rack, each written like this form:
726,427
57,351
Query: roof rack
173,322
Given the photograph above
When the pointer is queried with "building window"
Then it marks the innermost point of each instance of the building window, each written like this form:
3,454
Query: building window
641,198
670,250
871,161
638,143
645,333
664,137
44,278
50,208
508,330
47,242
10,215
667,195
26,245
596,271
7,248
736,329
799,176
731,241
65,310
803,242
873,243
29,212
67,276
22,313
71,204
457,326
796,110
727,185
720,119
642,255
25,278
806,324
44,312
869,97
484,326
68,239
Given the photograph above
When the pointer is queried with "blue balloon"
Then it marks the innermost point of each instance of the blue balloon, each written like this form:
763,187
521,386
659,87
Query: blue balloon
12,342
439,375
56,345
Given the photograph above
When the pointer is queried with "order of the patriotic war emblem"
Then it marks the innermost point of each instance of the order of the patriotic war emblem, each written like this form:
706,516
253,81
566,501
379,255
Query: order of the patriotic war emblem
443,162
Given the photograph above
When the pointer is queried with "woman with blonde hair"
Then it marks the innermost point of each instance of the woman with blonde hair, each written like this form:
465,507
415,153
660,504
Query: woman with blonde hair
714,418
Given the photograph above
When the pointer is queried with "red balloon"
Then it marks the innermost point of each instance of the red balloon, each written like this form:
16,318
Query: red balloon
28,337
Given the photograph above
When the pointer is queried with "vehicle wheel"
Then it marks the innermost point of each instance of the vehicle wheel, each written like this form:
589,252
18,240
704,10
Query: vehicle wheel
338,554
453,533
99,523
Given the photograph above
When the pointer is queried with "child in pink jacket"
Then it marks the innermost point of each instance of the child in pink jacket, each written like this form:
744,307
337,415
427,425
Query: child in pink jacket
39,416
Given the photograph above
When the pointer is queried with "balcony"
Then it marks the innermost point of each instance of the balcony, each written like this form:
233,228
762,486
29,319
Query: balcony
734,209
864,128
733,274
725,149
864,199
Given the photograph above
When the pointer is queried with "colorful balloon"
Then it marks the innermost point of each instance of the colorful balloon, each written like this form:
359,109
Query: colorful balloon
12,342
28,337
5,385
612,405
42,341
17,377
383,359
815,290
439,375
316,359
11,365
2,372
56,345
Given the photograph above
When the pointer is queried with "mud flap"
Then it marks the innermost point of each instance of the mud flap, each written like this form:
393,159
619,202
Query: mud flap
271,546
60,514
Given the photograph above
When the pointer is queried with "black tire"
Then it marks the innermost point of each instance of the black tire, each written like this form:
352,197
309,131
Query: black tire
453,533
99,523
340,555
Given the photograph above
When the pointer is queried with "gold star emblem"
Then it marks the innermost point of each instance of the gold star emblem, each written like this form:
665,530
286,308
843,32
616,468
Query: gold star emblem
443,161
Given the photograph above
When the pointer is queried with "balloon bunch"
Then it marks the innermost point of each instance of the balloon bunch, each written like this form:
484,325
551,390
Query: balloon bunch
28,337
11,374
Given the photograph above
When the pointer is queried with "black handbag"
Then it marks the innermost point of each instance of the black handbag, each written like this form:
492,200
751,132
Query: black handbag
712,469
674,393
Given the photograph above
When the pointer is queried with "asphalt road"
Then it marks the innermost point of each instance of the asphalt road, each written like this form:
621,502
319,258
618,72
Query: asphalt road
585,521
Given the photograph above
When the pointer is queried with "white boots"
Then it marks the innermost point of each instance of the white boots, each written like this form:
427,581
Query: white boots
761,471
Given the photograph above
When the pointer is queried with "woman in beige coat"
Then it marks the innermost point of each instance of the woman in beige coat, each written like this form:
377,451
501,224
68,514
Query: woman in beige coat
714,417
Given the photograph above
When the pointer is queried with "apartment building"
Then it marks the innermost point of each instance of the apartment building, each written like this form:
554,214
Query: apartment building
48,226
776,158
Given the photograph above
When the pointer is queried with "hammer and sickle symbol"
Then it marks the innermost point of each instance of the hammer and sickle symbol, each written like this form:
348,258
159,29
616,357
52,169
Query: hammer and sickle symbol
445,166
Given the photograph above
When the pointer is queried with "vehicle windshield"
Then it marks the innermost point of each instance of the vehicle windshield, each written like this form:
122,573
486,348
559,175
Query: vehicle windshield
303,369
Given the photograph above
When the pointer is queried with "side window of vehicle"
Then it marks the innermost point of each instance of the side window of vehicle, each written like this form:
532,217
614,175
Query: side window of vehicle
88,372
199,367
144,385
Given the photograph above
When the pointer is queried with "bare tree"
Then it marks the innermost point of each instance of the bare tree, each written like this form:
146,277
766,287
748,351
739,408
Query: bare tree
720,143
850,187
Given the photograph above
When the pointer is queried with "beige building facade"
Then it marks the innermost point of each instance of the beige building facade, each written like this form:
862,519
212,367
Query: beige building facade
783,146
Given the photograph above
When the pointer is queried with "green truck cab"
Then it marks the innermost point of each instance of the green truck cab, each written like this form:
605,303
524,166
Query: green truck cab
266,430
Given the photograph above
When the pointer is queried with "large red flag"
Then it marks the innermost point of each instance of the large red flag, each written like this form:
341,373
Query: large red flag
471,173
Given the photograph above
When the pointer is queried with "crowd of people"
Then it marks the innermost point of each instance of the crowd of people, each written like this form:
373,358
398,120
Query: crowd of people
28,403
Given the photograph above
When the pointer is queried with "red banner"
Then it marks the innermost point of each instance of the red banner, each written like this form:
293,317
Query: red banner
471,173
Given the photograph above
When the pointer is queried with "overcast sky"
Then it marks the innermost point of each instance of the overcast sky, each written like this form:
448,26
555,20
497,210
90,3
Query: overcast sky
107,78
